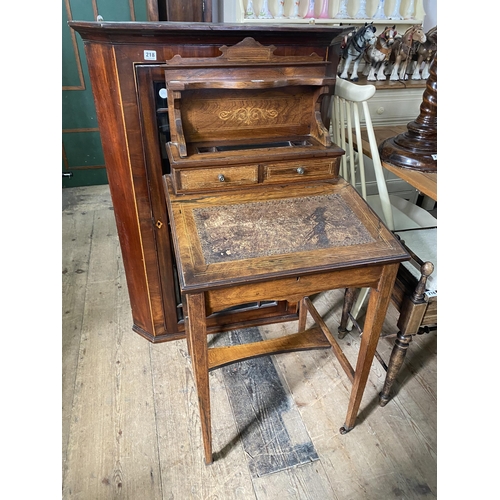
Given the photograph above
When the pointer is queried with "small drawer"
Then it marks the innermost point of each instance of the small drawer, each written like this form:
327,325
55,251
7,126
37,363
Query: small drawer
301,171
218,178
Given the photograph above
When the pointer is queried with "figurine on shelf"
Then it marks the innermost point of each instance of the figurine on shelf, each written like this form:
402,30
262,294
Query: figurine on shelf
361,14
249,12
325,10
264,12
403,51
424,54
380,13
410,10
342,13
353,49
310,11
295,12
395,12
377,55
281,10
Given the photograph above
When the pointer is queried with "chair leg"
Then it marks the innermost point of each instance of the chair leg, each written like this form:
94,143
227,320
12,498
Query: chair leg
363,294
197,340
411,315
395,362
349,296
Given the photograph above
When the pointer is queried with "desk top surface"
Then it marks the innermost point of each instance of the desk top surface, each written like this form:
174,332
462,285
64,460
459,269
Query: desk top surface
270,232
425,182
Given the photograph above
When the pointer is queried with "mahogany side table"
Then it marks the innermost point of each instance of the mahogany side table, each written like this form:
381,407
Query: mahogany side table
282,242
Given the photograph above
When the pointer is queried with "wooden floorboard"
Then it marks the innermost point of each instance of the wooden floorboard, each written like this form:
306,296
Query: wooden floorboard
130,423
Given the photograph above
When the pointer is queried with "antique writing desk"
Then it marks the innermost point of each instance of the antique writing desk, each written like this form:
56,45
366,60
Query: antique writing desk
257,209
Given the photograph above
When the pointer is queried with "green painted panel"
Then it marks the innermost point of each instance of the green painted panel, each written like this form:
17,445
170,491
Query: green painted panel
86,177
115,10
83,149
70,73
141,11
78,110
82,10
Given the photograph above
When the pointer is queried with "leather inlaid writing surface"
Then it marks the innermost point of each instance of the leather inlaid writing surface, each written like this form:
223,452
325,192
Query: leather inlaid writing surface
274,231
275,227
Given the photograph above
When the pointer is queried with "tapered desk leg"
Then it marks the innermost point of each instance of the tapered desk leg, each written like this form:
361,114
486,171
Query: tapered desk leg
186,325
302,316
197,340
375,314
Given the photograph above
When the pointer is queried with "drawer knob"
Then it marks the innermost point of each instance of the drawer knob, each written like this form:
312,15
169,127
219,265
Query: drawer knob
301,170
221,178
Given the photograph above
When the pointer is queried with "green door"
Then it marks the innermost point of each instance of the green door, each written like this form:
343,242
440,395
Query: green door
82,156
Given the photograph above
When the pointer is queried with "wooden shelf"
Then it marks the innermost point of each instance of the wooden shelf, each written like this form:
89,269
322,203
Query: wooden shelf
236,13
332,21
393,85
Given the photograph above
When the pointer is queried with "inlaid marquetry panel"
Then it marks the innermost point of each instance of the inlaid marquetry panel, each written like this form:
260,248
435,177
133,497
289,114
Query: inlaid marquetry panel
215,114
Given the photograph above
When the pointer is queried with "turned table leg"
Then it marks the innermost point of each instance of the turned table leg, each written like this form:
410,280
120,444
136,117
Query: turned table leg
396,361
411,315
349,297
375,315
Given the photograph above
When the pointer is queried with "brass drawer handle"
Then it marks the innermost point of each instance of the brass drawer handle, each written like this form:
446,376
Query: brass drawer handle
301,170
221,178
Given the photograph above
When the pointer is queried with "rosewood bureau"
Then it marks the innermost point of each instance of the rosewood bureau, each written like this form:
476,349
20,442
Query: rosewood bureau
258,211
226,189
126,63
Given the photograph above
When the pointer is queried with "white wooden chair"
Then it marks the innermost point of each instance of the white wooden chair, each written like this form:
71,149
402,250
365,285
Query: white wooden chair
347,125
416,227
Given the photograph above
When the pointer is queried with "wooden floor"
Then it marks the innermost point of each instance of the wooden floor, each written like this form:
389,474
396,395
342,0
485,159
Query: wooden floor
130,426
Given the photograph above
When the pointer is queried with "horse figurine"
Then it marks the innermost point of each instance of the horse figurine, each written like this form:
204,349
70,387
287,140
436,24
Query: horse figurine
424,55
377,55
403,50
353,49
